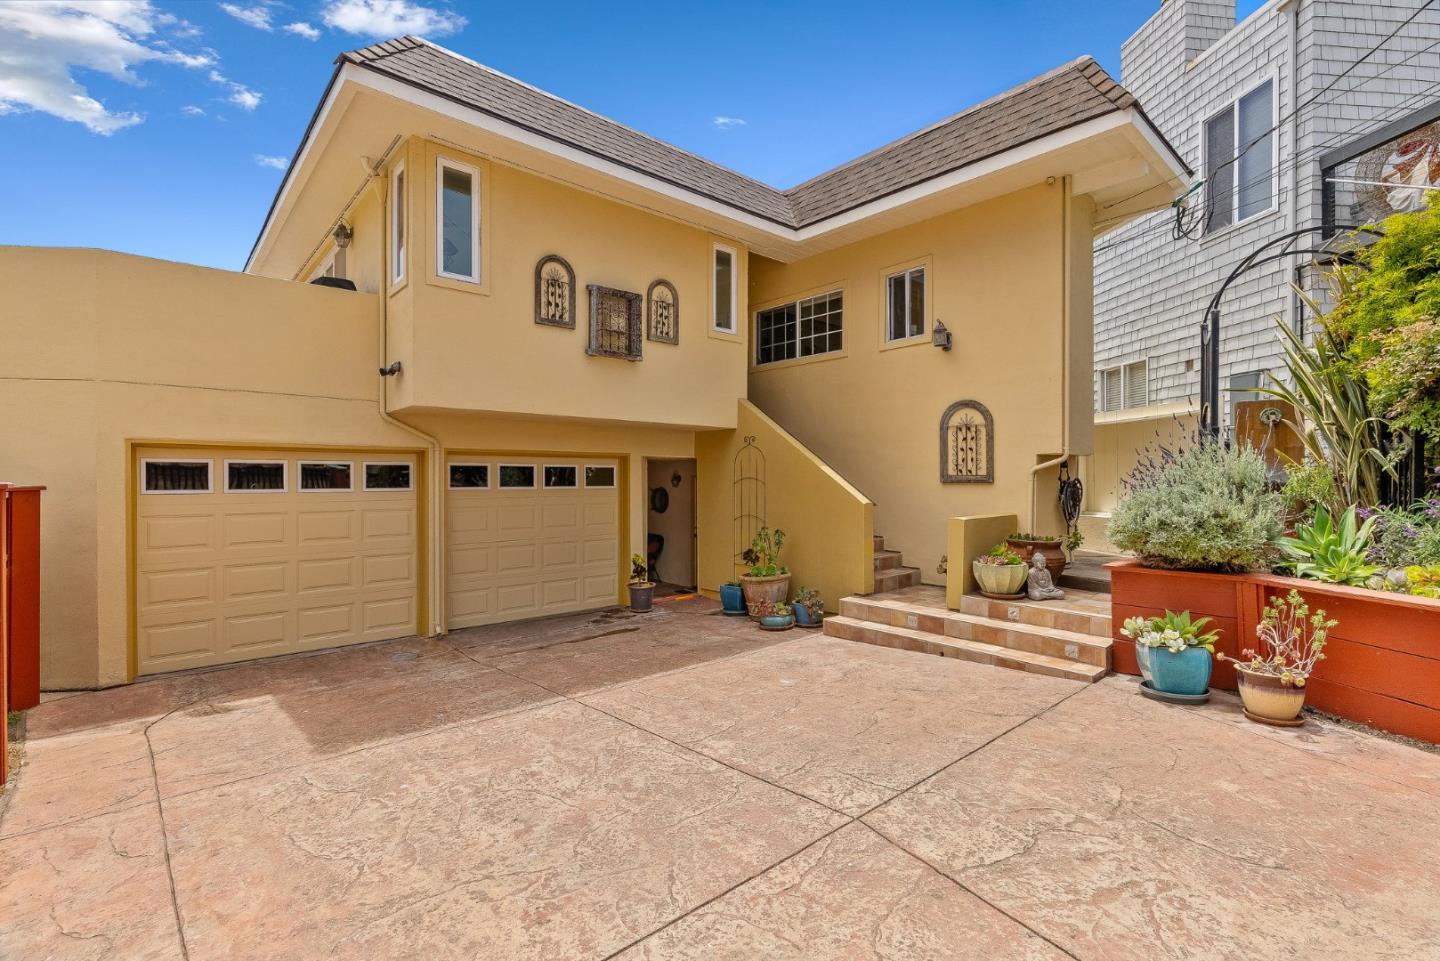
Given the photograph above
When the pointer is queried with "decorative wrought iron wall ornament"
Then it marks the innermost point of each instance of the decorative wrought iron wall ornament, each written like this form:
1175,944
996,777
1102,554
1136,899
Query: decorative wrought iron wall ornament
614,323
663,304
554,292
967,444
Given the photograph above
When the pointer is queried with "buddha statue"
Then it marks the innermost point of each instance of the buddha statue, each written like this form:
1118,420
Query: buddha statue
1040,585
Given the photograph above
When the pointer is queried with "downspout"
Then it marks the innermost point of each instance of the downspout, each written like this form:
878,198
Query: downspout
434,496
1064,454
1292,175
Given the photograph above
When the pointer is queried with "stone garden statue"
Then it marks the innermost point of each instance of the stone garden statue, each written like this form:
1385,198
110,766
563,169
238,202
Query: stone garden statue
1041,586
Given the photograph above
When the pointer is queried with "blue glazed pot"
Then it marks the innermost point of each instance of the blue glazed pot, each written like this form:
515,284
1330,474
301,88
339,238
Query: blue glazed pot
732,599
1142,658
803,617
777,622
1187,672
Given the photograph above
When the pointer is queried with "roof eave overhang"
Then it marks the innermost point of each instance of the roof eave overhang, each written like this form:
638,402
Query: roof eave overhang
764,235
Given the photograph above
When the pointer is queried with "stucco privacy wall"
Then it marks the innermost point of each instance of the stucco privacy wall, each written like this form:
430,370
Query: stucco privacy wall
828,523
477,347
998,279
103,348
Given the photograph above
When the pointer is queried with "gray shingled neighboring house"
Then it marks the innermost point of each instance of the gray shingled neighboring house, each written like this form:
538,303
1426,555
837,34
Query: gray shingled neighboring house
1210,84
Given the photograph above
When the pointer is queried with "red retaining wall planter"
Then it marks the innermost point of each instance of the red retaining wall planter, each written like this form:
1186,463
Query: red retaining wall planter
1381,667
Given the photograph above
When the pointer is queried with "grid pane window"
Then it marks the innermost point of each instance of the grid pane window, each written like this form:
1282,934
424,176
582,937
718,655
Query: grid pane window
815,325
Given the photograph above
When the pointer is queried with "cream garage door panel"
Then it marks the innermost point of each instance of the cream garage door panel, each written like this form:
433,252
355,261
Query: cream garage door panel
225,576
516,552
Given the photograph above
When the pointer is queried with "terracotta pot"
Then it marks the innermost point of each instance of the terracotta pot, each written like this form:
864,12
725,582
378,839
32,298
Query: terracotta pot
1054,554
1000,578
775,589
1267,696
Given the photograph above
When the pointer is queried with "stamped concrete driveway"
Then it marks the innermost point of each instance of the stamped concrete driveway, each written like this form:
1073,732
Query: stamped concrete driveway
680,785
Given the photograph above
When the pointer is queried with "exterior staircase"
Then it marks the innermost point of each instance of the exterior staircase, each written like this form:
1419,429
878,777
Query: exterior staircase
891,574
1042,638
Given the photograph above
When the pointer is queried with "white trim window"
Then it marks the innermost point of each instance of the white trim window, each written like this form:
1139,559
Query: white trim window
164,476
466,476
328,476
398,235
724,289
457,220
389,476
599,476
561,477
1125,387
802,328
256,476
1239,144
905,304
516,476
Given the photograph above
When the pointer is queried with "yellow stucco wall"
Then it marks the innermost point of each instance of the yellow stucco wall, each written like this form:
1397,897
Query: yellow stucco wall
828,522
1006,277
477,347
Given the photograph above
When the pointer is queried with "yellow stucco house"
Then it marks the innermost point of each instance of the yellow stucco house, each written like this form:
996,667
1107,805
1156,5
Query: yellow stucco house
555,321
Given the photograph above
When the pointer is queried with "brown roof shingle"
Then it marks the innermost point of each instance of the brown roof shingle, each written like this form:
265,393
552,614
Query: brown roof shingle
1069,95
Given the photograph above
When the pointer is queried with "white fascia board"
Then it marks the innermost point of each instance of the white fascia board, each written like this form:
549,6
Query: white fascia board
425,99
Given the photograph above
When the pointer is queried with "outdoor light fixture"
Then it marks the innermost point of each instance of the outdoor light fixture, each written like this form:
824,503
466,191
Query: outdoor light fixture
390,371
940,336
342,235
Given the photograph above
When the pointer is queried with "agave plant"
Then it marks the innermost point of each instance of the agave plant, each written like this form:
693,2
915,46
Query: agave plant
1330,551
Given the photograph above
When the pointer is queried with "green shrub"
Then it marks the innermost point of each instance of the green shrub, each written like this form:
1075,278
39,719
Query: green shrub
1407,538
1207,507
1308,486
1333,551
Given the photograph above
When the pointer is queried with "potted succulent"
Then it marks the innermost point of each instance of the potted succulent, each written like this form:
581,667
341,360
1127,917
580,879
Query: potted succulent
767,579
1000,572
1292,642
808,607
1052,547
1174,652
732,598
642,589
775,616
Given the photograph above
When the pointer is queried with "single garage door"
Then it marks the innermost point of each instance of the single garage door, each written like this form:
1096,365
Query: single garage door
527,537
246,554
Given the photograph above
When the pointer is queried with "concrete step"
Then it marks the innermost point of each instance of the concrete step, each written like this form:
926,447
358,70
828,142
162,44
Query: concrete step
1015,636
927,642
1037,613
896,577
879,542
888,560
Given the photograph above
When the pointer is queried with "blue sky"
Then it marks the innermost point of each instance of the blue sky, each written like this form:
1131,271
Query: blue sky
159,127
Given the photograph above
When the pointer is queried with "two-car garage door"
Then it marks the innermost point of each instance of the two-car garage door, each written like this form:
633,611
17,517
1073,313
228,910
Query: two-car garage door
246,554
527,537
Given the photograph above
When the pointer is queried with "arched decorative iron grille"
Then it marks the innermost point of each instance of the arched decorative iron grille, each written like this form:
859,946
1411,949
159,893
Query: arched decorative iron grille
664,307
967,444
554,292
614,323
748,494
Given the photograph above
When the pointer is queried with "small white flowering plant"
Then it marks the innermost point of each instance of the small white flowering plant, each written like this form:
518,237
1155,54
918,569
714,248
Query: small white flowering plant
1172,631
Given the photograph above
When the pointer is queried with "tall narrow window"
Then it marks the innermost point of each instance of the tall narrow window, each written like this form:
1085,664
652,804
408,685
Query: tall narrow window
457,221
397,224
905,304
1240,159
724,297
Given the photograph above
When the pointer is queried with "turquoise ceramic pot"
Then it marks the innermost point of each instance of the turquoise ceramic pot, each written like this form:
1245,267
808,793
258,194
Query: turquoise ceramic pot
1142,658
732,599
1187,672
803,617
777,622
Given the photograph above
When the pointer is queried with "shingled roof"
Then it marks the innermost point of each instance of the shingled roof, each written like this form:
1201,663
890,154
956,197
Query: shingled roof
1069,95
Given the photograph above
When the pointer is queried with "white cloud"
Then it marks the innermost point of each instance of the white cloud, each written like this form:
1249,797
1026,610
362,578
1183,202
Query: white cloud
265,160
42,41
725,123
389,18
239,94
302,29
190,110
257,15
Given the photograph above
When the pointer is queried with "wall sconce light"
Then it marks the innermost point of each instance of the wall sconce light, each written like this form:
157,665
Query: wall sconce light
675,479
392,370
940,336
342,235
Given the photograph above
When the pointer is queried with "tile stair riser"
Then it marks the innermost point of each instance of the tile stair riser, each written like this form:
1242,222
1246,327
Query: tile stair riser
1035,640
899,638
893,580
887,560
879,542
1095,624
892,616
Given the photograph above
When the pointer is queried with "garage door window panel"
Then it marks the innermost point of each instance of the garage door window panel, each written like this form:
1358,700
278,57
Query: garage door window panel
469,476
387,477
327,476
599,476
517,476
560,477
176,476
254,477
